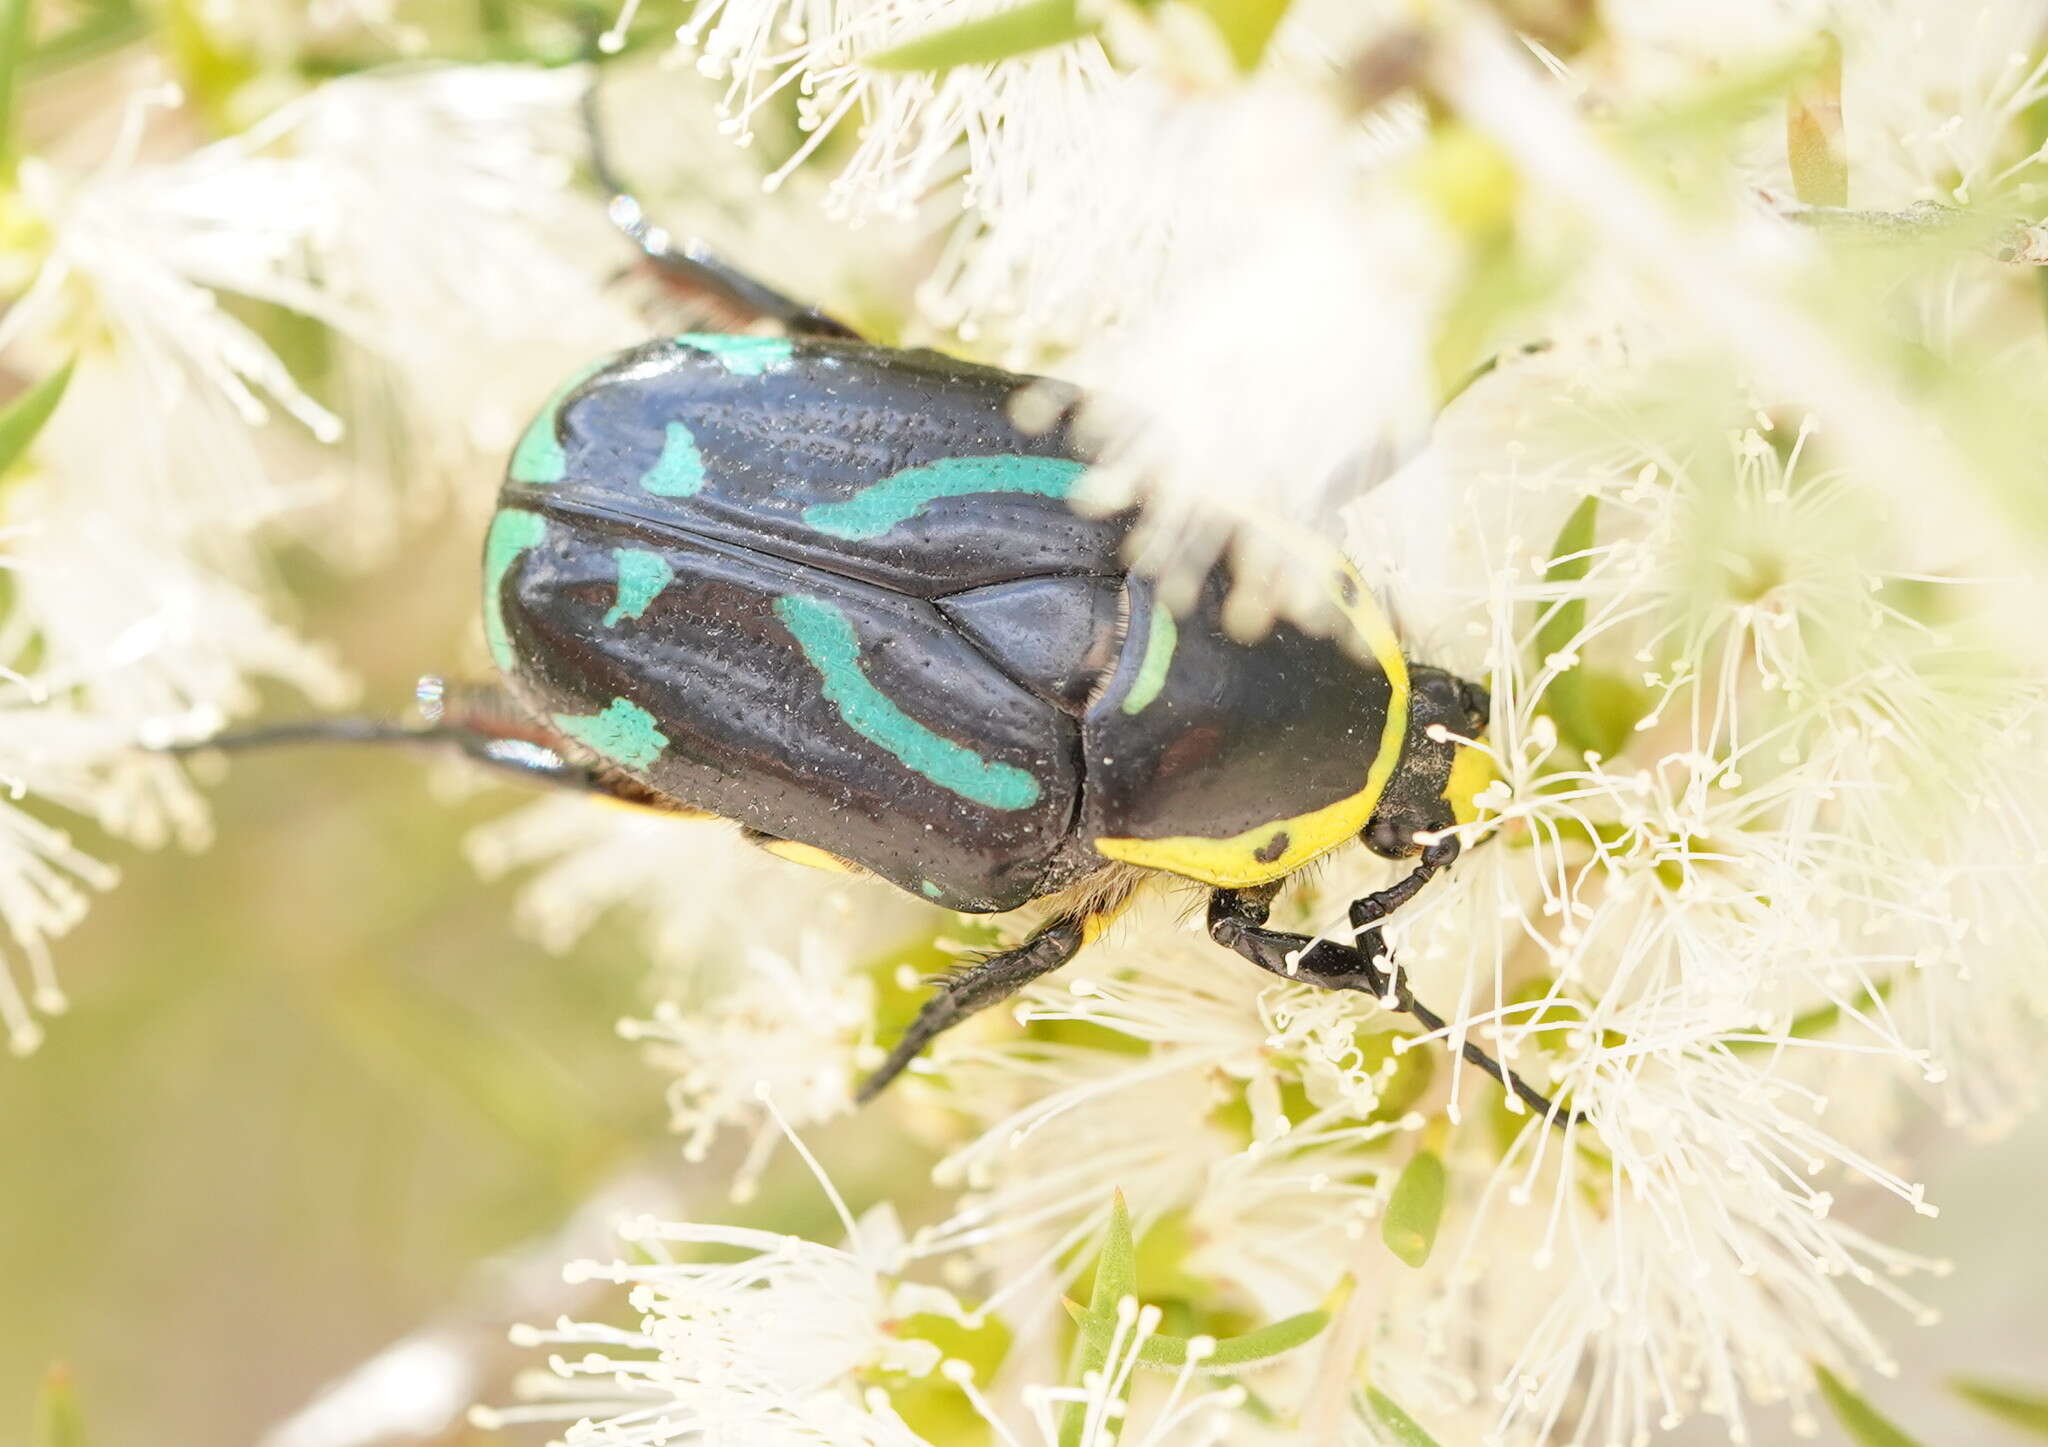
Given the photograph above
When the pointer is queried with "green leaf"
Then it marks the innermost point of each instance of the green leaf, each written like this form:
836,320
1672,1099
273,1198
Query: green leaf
1034,25
1611,707
1116,1272
1245,25
1813,132
2023,1410
1402,1427
13,52
1246,1349
1416,1209
24,417
1116,1277
1817,1022
1116,1282
1858,1418
58,1423
2034,125
1570,700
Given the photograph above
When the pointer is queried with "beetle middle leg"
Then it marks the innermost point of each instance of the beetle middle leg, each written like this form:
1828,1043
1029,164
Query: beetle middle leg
688,263
1237,921
479,720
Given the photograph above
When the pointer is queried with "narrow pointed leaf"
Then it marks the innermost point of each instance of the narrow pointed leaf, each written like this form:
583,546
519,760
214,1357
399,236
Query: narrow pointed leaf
1403,1428
24,417
1245,25
1859,1419
1116,1272
13,53
1116,1277
1234,1352
2028,1411
1416,1209
1568,699
58,1422
1034,25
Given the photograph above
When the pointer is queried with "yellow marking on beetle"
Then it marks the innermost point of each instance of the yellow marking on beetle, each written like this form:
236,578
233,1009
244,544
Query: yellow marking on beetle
1242,860
1094,923
1471,771
809,855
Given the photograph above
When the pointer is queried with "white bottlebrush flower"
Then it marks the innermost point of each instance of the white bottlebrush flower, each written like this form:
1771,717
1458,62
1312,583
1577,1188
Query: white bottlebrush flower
366,208
1183,1113
764,966
697,888
1115,1409
786,1343
1271,378
794,1028
57,755
1236,218
154,470
449,192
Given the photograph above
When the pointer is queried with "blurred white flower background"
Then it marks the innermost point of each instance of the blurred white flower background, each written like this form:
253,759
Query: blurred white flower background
1679,371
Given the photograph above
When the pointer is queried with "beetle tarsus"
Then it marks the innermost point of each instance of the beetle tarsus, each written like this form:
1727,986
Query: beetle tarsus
1237,921
967,991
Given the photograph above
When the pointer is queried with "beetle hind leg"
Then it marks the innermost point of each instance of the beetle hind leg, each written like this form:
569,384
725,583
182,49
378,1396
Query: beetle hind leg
687,263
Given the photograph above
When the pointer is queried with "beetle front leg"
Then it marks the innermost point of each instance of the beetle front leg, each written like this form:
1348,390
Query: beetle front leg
1237,922
973,989
1237,919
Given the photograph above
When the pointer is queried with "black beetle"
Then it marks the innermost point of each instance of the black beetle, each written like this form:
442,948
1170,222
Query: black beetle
834,592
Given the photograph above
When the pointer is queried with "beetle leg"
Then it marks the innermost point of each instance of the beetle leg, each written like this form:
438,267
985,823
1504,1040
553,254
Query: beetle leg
1237,921
977,987
688,262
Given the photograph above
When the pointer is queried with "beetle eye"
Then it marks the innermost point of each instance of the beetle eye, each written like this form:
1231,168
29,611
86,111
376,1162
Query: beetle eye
1389,838
1478,705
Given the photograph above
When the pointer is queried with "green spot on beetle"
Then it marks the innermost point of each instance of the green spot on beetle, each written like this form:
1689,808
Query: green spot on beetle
829,643
679,471
880,506
1160,641
512,532
539,457
929,890
624,732
741,356
642,576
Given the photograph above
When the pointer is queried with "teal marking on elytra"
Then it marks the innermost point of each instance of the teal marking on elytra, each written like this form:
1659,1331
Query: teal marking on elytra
624,733
679,471
829,643
929,890
513,531
538,457
742,356
880,506
1160,642
642,576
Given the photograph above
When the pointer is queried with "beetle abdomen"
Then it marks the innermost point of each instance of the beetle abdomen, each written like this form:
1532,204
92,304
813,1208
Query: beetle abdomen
808,706
759,575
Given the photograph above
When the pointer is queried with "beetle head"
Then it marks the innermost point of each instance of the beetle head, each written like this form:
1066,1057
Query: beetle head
1433,785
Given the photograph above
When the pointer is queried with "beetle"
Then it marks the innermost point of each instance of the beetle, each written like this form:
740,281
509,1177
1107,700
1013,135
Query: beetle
835,592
